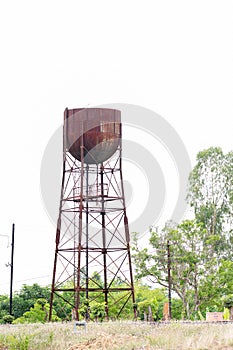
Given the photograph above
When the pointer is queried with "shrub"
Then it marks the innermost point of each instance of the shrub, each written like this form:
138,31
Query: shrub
8,319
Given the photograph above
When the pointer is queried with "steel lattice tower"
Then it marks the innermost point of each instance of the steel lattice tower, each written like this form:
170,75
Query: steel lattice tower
92,255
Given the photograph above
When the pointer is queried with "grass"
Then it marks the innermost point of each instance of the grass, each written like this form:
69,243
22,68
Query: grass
117,336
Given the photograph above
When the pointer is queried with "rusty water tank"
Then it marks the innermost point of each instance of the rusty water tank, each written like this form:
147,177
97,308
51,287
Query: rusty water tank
98,129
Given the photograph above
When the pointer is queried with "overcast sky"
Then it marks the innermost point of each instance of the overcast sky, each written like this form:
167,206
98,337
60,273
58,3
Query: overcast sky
172,57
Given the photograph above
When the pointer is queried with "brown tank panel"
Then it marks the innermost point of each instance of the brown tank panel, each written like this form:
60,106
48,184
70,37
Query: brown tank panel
98,128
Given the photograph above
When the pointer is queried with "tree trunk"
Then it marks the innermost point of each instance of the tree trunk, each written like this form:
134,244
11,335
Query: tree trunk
150,318
185,310
231,313
196,296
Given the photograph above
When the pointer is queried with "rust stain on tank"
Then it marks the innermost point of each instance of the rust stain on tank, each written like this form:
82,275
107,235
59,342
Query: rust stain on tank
98,128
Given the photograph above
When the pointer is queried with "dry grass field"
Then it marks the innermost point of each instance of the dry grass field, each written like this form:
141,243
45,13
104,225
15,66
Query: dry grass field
117,335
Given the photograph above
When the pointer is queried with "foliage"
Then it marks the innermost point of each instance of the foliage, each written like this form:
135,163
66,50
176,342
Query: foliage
27,296
216,285
197,252
98,311
228,301
148,299
38,313
177,307
4,306
8,319
95,309
186,249
116,300
210,193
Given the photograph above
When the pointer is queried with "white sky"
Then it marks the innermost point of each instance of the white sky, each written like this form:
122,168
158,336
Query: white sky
173,57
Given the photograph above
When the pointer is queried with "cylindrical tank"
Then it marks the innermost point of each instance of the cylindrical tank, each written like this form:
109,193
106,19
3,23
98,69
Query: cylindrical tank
97,129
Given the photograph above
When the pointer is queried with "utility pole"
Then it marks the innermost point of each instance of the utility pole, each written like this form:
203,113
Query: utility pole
12,265
169,279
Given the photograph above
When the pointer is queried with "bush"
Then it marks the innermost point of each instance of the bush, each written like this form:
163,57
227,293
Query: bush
228,301
38,313
8,319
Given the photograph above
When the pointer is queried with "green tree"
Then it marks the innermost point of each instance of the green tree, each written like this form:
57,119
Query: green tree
216,285
4,306
210,193
148,300
177,308
97,311
188,261
27,296
38,313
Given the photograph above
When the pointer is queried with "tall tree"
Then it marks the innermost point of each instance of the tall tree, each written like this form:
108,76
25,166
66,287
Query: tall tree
210,193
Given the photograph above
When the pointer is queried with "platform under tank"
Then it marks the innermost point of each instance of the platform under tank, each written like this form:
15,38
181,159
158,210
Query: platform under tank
98,128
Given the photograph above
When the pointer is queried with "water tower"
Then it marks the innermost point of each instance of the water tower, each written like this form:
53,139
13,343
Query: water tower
92,255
